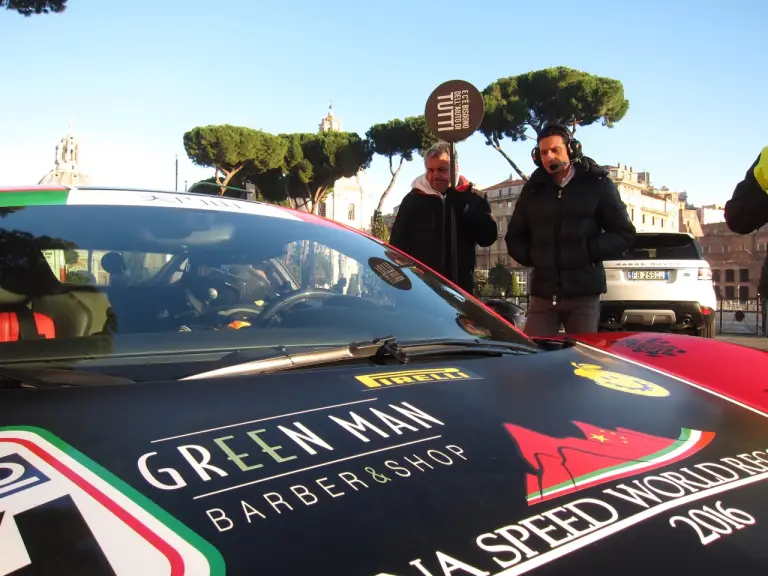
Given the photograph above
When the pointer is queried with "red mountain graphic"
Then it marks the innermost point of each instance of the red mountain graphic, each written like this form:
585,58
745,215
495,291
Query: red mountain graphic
565,465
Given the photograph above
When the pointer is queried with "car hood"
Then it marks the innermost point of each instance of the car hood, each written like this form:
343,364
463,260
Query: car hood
563,462
737,372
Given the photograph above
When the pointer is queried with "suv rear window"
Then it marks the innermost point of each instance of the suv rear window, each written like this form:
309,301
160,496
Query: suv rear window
664,247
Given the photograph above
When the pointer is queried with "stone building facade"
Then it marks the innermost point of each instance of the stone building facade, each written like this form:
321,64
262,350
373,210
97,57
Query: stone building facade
650,209
736,260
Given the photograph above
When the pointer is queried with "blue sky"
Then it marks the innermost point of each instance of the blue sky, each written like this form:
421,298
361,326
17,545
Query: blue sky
133,76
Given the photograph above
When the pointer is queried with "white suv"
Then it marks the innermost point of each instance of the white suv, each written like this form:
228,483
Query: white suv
661,284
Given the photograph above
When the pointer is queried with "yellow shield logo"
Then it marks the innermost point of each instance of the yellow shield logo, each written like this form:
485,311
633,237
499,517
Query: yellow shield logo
619,382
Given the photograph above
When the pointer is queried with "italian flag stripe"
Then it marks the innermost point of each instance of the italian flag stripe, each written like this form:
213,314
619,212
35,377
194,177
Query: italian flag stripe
34,439
36,198
689,441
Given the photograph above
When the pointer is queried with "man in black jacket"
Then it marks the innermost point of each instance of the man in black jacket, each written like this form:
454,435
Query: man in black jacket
568,219
441,226
747,210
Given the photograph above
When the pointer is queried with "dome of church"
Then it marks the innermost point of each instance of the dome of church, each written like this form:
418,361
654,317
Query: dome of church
66,171
330,123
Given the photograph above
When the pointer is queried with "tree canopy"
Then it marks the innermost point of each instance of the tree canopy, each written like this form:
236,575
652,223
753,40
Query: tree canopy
231,149
517,107
398,139
29,7
312,164
500,277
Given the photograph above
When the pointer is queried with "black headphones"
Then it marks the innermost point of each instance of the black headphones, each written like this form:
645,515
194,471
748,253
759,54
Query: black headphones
572,145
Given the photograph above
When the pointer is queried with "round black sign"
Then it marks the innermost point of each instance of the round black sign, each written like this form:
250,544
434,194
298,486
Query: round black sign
454,110
390,273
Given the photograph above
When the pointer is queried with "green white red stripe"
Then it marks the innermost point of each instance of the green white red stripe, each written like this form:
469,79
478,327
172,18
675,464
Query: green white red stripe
689,442
132,532
55,196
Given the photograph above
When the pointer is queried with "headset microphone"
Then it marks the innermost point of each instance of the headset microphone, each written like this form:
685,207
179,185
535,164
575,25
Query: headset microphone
572,145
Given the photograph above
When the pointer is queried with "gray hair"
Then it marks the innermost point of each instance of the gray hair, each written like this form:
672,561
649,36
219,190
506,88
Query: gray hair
439,149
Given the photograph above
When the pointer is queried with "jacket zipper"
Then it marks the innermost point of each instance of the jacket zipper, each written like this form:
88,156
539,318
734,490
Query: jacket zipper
558,224
443,237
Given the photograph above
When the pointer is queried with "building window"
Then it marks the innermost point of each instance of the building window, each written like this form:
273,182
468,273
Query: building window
321,210
743,275
730,276
643,219
715,276
351,212
761,246
522,281
632,214
726,248
742,247
653,220
743,292
705,249
662,222
730,292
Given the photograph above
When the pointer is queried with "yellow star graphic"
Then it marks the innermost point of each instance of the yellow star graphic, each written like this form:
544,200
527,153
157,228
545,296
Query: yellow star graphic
602,439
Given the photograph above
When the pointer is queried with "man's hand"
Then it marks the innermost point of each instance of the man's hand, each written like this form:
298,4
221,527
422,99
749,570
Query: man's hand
459,200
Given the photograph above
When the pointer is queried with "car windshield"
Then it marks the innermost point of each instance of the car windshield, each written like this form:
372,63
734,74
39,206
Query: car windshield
155,285
664,247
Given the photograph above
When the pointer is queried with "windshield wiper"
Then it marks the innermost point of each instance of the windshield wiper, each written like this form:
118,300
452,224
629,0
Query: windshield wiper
57,377
378,350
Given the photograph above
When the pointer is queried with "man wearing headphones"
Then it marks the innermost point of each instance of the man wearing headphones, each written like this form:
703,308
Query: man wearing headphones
568,220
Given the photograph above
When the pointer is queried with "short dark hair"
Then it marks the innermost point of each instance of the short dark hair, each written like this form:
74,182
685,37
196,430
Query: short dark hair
440,148
554,130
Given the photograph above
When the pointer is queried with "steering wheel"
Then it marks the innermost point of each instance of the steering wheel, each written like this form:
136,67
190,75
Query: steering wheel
225,313
292,298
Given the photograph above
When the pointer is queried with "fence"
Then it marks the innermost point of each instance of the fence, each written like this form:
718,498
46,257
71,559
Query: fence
746,317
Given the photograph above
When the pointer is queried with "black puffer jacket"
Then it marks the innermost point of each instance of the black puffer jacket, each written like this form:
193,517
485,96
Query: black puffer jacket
565,234
424,224
747,210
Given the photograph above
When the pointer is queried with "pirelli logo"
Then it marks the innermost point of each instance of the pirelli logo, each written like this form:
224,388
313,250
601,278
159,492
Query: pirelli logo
414,377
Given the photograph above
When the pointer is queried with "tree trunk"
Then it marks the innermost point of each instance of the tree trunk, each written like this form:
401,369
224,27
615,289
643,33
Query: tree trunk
300,197
227,177
394,173
496,146
317,196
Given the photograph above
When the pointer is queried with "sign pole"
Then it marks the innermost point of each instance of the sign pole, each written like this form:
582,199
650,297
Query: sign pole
453,113
453,165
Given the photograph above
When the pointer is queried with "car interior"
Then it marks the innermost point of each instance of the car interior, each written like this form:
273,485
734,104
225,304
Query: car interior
80,284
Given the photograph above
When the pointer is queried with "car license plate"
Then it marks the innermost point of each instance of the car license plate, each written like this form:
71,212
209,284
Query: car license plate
649,275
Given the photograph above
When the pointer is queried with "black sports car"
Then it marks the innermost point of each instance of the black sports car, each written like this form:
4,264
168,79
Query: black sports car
247,389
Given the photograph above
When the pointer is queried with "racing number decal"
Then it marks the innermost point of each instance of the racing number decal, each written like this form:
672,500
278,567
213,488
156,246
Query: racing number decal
61,514
55,536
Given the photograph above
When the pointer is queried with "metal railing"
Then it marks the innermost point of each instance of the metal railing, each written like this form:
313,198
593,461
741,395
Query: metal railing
741,316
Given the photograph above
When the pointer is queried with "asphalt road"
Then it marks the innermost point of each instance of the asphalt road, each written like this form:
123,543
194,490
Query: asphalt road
761,343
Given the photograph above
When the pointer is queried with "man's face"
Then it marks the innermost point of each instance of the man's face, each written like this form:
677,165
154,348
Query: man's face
552,150
439,172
